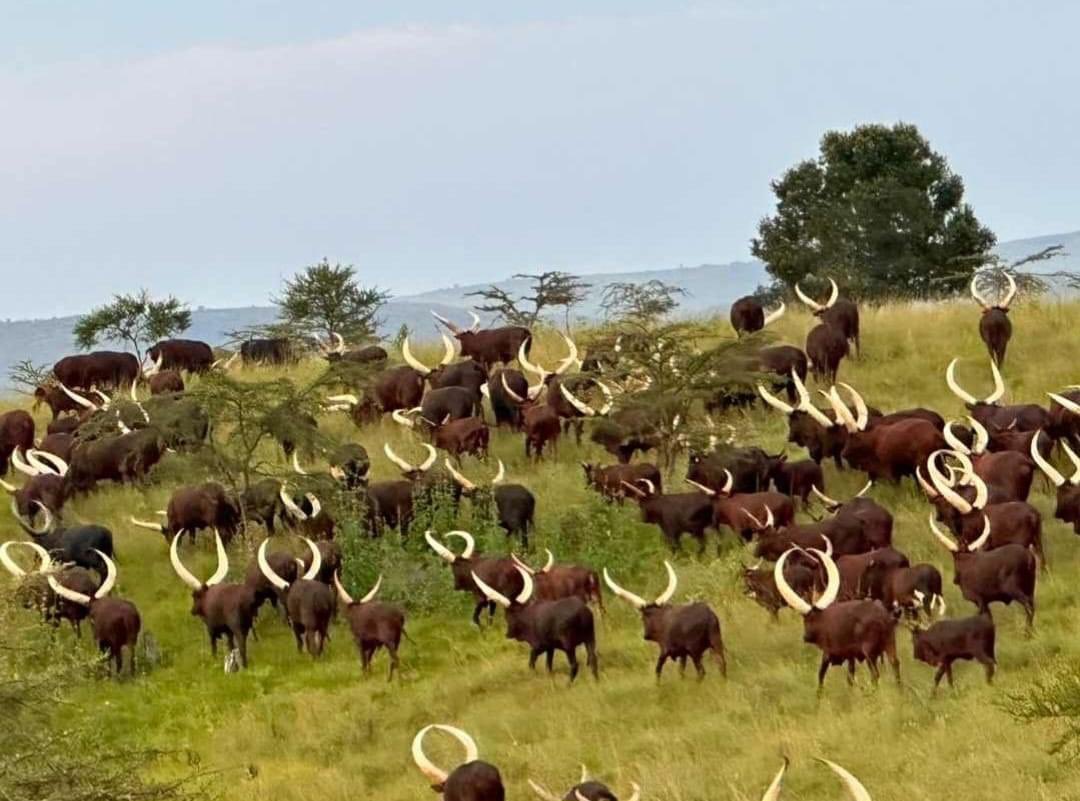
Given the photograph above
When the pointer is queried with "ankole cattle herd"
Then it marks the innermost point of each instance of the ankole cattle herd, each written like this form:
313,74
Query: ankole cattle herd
975,465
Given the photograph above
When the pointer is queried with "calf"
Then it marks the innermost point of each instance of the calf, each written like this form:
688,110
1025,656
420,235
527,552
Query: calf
499,573
374,625
547,626
227,609
948,640
309,603
116,622
681,631
844,631
472,780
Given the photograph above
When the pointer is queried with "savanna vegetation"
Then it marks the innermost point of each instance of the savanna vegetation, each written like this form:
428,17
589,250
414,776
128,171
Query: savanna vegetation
291,728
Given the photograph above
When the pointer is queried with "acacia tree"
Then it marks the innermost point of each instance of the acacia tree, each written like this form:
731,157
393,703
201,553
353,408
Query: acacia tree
880,211
327,299
551,289
136,320
642,303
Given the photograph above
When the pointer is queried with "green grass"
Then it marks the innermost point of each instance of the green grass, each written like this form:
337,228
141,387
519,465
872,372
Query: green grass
291,728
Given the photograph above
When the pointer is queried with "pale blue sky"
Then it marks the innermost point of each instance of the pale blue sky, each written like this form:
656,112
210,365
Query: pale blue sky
208,149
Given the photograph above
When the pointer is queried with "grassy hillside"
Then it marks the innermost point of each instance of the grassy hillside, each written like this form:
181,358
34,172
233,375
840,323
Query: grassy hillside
293,729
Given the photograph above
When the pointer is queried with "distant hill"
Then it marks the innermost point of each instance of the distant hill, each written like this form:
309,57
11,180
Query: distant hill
709,288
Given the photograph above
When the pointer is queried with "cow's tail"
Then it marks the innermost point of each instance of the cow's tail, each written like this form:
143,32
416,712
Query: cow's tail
716,643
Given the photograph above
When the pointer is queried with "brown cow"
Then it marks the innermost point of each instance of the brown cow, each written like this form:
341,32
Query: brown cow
489,346
472,780
16,431
748,315
1067,508
608,480
995,329
373,624
564,581
839,313
309,603
499,573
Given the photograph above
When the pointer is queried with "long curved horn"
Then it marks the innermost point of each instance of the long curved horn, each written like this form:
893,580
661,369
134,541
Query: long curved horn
669,591
773,316
492,594
9,563
700,487
944,538
158,527
957,390
446,322
316,505
106,401
348,399
79,399
223,562
832,586
843,413
439,548
316,560
340,347
1064,402
983,538
633,489
791,598
68,594
185,575
829,503
412,361
862,413
813,304
609,401
975,292
982,437
954,441
1010,293
527,588
806,405
576,402
500,474
110,575
854,786
401,417
47,462
729,483
523,360
43,567
8,487
982,492
571,357
290,504
475,322
509,392
425,465
467,538
21,465
773,793
25,524
926,486
635,600
397,460
542,792
999,384
757,523
942,486
521,563
425,765
833,296
342,594
774,401
1075,479
458,477
296,465
266,570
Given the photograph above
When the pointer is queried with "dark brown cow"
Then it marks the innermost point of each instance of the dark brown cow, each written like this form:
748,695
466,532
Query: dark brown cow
608,480
542,428
499,573
127,457
181,354
502,388
489,346
1065,415
102,369
166,382
802,575
1002,575
914,589
747,512
876,520
472,780
585,790
748,315
58,445
16,431
468,374
844,535
844,631
547,626
808,426
514,503
1022,417
267,351
227,609
390,504
995,329
564,581
681,631
34,591
374,625
198,507
825,349
750,468
782,361
308,602
863,575
364,355
56,399
949,640
1067,508
116,622
840,313
46,487
798,479
398,388
675,514
284,564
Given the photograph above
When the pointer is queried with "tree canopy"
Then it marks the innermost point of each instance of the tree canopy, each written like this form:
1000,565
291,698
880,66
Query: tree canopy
880,211
550,289
327,299
136,320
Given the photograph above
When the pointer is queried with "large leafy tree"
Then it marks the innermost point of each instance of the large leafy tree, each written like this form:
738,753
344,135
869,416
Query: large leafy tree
878,210
328,299
136,320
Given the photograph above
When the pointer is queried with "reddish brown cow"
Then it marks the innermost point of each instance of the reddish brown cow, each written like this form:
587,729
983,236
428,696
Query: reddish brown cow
374,625
499,573
608,480
994,326
489,346
564,581
16,431
1067,508
839,313
949,640
1009,471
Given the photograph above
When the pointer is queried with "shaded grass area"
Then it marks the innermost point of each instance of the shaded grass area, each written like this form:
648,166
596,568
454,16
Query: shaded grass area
290,728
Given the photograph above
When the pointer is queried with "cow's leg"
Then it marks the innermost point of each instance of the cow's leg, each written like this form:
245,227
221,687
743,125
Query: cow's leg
939,674
989,666
534,654
851,672
660,664
477,611
948,672
700,668
682,666
591,660
391,650
823,668
549,659
571,657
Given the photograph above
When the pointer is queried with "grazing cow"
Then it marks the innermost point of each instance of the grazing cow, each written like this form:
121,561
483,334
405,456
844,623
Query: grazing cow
499,573
840,313
1002,575
798,479
116,622
681,631
826,347
676,514
464,437
275,351
564,581
56,399
876,520
808,426
373,624
1022,417
749,468
227,609
801,575
844,631
390,504
472,780
440,406
165,383
34,590
42,491
1067,508
585,790
489,346
123,458
628,431
914,589
58,446
181,354
782,361
863,575
608,480
743,512
1008,471
309,603
337,353
398,387
547,626
101,368
79,545
994,326
889,451
198,507
16,431
748,315
514,503
949,640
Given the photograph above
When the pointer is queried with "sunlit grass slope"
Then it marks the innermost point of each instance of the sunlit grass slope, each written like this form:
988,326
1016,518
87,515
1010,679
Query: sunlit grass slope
291,728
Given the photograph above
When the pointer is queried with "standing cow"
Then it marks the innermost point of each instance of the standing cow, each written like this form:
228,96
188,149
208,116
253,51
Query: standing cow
748,315
994,326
